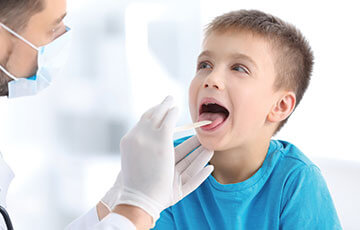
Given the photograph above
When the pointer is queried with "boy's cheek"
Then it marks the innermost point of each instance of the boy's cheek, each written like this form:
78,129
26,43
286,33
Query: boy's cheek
192,99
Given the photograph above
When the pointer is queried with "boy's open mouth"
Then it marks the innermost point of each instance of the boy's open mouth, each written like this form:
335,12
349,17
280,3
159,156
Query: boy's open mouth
212,110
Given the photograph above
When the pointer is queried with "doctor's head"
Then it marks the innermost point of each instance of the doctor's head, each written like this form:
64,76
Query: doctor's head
37,21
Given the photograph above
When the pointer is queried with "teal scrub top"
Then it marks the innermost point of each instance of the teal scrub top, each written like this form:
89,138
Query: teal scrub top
287,192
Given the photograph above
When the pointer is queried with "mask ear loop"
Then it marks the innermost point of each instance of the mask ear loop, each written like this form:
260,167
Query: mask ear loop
22,39
19,37
9,74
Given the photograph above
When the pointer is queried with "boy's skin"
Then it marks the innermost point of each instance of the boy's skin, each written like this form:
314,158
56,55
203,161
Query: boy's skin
246,89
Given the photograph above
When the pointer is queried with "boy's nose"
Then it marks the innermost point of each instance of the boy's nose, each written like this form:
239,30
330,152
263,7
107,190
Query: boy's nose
213,81
214,86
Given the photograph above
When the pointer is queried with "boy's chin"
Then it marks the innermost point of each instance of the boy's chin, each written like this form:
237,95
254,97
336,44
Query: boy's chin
211,144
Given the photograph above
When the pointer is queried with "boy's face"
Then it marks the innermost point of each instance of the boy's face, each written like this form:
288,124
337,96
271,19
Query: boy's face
235,70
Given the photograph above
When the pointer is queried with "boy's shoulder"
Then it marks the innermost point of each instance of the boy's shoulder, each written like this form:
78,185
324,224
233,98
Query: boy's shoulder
293,168
292,155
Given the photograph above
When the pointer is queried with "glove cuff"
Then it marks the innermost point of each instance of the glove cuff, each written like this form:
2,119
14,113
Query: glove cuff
111,197
103,203
135,198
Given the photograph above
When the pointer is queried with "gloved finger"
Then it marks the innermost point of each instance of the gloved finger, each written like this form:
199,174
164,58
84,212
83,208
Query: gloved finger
196,165
186,161
196,180
170,119
149,113
161,110
185,148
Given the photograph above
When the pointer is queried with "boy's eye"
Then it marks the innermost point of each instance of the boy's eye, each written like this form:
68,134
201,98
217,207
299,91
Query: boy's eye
240,68
204,65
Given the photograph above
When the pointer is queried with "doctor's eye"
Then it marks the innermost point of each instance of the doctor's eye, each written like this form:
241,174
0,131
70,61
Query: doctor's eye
240,68
203,65
55,29
58,31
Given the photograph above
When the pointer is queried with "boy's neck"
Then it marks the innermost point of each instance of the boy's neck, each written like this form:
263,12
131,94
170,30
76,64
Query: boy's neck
239,164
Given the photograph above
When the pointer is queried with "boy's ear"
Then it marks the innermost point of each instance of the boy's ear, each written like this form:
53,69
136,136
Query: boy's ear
282,108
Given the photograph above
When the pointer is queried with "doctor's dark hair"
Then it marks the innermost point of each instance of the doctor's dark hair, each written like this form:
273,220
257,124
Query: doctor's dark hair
16,14
294,57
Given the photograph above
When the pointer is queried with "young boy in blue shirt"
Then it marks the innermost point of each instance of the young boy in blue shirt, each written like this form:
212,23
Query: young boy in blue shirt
251,74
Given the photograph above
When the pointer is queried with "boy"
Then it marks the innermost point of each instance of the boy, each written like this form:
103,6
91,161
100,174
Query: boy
252,73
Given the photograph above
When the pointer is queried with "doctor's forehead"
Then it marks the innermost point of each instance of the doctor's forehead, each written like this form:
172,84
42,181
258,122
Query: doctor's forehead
41,26
51,15
54,11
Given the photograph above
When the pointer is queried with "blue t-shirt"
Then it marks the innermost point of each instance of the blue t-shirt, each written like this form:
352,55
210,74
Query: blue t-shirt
287,192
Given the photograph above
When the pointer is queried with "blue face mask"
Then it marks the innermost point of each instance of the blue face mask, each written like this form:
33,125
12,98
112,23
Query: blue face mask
50,59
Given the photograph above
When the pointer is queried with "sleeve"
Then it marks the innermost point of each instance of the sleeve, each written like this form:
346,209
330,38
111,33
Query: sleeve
306,203
114,221
84,222
166,221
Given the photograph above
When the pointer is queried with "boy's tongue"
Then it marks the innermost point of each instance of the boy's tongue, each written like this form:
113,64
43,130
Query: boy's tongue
216,119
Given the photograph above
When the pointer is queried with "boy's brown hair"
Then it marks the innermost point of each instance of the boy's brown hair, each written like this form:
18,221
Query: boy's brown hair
294,59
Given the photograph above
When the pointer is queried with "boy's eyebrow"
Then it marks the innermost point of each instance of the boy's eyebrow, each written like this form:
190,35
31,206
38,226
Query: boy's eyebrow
233,56
243,56
205,53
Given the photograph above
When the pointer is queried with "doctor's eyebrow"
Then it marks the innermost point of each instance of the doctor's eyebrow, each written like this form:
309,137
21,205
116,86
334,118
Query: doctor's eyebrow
60,19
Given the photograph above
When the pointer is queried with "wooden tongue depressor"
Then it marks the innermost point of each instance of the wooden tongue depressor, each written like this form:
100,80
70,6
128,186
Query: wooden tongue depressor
192,126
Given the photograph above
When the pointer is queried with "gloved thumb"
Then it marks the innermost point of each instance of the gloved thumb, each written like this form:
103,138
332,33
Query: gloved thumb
170,119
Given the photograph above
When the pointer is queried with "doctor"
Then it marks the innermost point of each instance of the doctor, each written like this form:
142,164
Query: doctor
154,175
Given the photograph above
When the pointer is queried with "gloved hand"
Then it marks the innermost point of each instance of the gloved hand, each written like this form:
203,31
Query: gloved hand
189,169
150,179
185,170
112,196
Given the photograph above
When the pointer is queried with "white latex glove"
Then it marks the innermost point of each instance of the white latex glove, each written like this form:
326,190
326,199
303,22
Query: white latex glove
113,195
189,170
185,170
150,180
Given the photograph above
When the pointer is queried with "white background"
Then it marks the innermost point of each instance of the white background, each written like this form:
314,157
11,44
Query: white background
127,56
